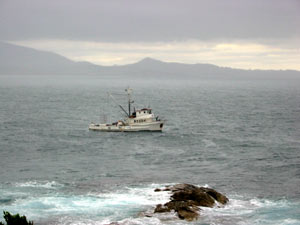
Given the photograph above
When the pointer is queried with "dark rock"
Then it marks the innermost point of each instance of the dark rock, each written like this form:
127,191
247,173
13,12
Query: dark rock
187,198
161,209
188,214
181,187
197,195
216,195
157,190
15,219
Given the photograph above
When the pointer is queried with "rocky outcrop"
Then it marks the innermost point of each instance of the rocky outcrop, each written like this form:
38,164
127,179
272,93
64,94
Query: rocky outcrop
186,200
15,219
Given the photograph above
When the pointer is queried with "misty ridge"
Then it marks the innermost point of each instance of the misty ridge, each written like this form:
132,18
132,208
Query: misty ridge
17,60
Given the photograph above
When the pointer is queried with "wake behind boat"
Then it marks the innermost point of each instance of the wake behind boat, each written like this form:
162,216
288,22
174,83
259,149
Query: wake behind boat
138,120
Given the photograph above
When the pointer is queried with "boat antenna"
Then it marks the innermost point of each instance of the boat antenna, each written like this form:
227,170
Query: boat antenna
114,100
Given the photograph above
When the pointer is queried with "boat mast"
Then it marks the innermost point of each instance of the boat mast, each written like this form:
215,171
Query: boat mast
129,90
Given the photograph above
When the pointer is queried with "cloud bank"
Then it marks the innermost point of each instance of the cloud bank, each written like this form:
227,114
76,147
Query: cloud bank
238,33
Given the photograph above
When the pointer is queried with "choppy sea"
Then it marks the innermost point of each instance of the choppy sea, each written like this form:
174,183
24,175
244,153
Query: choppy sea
240,137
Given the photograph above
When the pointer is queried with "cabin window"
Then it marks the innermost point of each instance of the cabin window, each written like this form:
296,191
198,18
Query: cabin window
135,121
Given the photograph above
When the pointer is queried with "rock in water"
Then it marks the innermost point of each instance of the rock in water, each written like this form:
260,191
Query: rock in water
216,195
187,198
15,219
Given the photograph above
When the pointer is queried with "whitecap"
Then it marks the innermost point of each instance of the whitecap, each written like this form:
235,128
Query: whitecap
131,205
251,211
112,206
40,184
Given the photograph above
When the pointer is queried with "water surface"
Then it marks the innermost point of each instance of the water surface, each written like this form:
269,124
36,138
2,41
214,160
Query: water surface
240,137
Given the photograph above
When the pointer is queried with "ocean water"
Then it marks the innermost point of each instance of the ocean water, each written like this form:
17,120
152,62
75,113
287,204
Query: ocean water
240,137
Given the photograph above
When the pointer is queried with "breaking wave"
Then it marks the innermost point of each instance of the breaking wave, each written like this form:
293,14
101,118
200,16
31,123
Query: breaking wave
40,184
135,205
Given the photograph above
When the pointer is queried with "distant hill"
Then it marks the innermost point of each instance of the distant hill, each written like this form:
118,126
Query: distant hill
149,67
21,60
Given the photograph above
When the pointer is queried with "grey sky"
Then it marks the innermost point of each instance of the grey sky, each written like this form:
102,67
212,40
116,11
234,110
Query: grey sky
144,20
268,22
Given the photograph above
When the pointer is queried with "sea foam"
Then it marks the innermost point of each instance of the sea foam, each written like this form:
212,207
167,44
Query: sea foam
133,205
40,184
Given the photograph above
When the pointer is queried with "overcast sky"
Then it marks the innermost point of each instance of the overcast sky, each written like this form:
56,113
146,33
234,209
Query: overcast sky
235,33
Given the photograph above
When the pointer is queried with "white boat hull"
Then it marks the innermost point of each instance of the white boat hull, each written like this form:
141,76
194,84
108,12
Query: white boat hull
153,126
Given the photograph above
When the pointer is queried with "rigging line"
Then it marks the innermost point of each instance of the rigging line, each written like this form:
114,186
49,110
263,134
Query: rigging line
109,106
112,97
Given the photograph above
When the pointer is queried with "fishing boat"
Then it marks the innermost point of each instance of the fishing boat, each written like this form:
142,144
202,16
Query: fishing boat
137,120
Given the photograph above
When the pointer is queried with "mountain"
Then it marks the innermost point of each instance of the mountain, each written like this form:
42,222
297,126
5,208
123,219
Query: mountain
21,60
155,69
